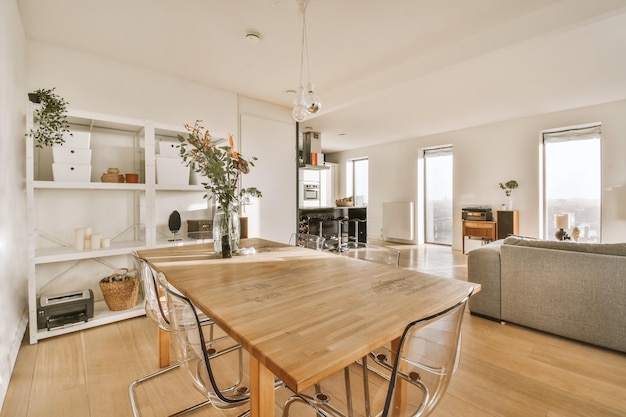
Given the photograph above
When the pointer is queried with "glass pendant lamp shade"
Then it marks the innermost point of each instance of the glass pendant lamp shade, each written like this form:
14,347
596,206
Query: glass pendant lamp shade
312,101
299,112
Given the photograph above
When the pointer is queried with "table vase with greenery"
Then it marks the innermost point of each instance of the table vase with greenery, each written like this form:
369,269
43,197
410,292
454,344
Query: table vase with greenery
223,166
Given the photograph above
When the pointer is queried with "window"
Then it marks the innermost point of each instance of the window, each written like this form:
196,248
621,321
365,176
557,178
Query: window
438,195
357,181
572,181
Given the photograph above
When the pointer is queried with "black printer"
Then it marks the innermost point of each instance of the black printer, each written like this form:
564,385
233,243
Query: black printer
64,309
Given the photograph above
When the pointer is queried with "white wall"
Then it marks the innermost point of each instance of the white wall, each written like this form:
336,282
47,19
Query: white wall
91,83
271,137
13,308
487,155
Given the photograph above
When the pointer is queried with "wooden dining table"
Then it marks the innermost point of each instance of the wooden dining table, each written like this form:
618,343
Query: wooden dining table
301,314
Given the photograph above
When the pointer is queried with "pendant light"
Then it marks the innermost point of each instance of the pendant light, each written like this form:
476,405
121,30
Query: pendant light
306,101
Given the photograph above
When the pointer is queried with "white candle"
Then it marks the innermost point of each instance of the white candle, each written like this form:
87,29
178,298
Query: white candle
87,232
87,243
105,242
79,238
95,241
561,221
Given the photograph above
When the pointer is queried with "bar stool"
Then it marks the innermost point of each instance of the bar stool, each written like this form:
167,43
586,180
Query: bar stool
341,245
355,222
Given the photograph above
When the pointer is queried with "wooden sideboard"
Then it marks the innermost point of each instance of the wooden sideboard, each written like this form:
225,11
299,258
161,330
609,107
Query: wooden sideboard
479,230
506,223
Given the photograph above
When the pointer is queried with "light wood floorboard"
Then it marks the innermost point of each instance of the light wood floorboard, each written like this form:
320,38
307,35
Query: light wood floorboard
505,370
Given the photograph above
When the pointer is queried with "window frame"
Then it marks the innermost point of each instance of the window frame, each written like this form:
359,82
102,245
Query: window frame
543,208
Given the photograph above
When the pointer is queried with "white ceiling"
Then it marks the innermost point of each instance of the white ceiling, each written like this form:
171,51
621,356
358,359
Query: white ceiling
385,70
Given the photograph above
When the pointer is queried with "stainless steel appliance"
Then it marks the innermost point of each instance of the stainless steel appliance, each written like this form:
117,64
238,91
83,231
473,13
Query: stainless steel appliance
309,194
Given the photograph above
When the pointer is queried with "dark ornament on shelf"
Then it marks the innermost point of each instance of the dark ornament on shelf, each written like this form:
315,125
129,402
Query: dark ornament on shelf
561,235
174,225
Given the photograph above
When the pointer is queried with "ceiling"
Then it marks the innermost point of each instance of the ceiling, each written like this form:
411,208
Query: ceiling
384,70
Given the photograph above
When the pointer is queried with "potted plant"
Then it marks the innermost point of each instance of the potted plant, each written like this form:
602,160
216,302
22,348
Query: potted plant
51,118
508,187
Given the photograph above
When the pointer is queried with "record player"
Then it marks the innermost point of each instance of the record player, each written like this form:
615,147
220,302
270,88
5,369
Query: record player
477,213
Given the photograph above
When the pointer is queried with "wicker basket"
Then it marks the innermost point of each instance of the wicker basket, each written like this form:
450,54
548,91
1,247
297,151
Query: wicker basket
120,290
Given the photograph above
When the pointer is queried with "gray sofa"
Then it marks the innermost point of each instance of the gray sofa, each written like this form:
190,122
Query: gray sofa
575,290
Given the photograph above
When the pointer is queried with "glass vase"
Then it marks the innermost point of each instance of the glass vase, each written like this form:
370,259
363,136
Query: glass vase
226,231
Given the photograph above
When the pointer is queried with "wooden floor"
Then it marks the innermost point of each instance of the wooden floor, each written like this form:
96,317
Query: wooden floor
505,370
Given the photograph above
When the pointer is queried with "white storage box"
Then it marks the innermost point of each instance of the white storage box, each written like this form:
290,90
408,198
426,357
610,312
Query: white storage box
67,155
71,172
169,148
79,139
171,171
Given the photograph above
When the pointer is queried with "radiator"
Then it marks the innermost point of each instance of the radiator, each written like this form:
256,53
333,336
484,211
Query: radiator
398,220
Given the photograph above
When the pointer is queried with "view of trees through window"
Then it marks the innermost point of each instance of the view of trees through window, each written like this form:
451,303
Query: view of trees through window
438,195
572,181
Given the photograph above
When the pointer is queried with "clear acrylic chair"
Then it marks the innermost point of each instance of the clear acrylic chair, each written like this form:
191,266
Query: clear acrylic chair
306,240
155,305
408,381
210,370
372,252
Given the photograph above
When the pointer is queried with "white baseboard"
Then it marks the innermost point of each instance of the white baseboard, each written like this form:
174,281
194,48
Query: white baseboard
7,367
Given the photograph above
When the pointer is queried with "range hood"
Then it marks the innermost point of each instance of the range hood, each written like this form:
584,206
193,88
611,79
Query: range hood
312,144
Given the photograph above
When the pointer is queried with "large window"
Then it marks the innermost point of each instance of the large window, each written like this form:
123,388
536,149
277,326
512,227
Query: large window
438,195
572,181
357,181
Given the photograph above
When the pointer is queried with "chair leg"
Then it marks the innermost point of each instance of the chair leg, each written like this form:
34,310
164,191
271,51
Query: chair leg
132,385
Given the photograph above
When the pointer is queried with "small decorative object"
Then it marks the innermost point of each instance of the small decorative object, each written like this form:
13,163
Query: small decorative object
112,175
174,225
120,290
51,118
561,221
200,229
508,187
223,167
576,233
132,178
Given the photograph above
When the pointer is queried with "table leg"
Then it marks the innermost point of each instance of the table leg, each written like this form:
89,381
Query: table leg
164,348
262,395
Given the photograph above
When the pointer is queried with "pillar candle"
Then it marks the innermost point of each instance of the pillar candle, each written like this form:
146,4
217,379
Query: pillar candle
87,232
95,241
79,238
105,242
87,243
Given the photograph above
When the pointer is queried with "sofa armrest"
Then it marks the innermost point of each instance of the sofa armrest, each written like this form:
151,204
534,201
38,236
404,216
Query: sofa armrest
483,267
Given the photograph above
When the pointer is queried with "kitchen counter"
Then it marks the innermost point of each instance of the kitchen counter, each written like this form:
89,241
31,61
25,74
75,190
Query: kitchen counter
329,227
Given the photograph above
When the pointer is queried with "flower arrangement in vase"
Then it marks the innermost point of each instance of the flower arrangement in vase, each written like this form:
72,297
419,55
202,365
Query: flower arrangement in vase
223,166
508,187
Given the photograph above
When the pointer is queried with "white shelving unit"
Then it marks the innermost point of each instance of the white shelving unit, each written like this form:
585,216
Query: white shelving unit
133,216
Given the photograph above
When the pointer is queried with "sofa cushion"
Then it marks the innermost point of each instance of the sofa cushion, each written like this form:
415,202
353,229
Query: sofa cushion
615,249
